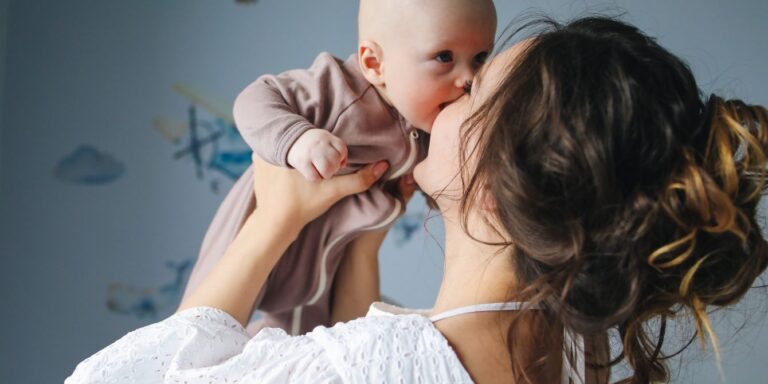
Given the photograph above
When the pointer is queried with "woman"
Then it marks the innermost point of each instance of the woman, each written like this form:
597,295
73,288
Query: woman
584,186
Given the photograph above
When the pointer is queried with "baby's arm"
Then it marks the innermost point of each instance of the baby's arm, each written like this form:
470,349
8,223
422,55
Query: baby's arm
287,118
318,154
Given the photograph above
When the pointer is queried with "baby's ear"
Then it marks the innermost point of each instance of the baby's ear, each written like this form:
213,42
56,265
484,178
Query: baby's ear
369,55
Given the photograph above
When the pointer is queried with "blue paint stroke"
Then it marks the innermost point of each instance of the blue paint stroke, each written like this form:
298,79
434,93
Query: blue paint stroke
87,165
232,164
406,227
206,146
149,302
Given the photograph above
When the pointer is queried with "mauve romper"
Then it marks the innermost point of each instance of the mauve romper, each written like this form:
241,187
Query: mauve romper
271,113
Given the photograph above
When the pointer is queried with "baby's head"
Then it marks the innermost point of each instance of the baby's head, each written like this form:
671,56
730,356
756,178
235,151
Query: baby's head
422,54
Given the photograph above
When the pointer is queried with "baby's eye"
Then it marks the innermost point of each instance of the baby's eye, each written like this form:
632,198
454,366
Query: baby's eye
481,57
444,57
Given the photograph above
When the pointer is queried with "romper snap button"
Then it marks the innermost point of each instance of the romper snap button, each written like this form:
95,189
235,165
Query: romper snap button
414,134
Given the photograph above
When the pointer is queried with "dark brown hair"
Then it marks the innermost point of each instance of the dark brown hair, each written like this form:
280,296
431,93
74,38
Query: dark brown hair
626,196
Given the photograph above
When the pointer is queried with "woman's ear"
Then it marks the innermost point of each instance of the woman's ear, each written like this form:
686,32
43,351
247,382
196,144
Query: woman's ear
487,203
370,56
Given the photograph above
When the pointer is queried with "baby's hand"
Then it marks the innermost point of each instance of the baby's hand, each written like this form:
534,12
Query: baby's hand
318,154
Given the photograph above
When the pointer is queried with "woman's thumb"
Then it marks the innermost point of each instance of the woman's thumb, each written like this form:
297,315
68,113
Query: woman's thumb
362,179
379,169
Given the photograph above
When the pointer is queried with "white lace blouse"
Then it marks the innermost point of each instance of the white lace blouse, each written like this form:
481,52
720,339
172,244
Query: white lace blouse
207,345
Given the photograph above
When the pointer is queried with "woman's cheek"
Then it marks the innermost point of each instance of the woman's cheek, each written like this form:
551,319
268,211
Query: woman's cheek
417,174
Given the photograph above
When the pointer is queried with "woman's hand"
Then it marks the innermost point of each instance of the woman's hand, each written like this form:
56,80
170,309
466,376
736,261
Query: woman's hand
286,201
284,195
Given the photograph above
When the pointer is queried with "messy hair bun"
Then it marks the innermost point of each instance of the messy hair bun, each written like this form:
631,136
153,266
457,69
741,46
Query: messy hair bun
626,196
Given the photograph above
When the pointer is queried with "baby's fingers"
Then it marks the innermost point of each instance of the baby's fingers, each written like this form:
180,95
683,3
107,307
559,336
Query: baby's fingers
309,172
341,149
328,163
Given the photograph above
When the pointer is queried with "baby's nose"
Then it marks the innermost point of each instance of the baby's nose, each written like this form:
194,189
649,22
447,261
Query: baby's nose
464,78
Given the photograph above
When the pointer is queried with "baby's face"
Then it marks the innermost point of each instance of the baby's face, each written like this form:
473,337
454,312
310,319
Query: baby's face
431,58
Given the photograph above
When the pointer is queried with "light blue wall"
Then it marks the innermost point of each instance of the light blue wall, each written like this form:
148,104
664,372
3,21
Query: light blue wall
3,35
98,73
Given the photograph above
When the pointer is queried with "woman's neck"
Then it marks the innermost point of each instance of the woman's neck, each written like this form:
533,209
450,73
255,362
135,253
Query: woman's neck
474,272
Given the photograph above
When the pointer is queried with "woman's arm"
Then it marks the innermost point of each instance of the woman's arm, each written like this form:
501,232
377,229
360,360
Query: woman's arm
285,203
238,277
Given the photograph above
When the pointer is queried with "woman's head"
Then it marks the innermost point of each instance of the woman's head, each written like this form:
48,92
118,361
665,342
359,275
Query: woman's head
624,194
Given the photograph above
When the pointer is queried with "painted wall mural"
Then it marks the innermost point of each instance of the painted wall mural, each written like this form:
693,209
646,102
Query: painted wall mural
149,302
406,226
207,139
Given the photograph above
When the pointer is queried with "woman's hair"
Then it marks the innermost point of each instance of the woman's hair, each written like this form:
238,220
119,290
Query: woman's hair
626,196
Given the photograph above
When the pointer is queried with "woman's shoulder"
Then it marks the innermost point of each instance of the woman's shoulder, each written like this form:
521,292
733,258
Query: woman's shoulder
383,322
390,342
378,325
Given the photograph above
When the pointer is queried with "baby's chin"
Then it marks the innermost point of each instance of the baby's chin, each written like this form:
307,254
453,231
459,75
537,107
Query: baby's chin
427,122
423,121
425,126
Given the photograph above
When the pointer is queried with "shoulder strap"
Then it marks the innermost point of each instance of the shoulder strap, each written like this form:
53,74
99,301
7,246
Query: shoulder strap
574,364
490,307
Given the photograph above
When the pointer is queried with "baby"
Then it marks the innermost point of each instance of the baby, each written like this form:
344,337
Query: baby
413,58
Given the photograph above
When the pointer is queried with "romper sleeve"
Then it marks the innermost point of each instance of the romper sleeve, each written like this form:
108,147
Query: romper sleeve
273,111
204,345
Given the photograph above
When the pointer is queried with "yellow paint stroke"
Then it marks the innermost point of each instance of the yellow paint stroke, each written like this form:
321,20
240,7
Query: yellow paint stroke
171,130
217,108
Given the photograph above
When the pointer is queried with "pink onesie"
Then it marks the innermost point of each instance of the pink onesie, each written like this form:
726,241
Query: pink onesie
271,113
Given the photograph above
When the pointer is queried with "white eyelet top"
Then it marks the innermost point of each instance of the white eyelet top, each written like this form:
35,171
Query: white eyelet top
207,345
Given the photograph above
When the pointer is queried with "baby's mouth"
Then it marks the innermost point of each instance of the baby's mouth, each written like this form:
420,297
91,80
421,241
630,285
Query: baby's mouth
447,103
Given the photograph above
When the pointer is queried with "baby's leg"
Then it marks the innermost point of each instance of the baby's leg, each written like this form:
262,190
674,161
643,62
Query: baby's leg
356,285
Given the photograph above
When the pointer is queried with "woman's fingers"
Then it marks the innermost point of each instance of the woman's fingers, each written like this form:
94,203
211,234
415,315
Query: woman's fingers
285,192
407,186
357,182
